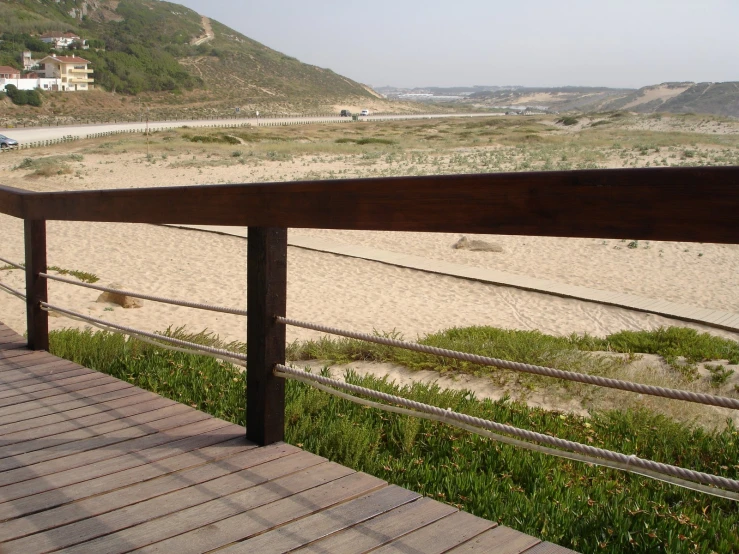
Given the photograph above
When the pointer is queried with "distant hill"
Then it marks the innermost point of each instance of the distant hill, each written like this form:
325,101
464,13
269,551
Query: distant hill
560,99
709,98
679,97
155,46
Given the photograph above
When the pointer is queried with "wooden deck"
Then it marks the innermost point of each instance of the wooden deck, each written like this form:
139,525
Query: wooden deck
89,463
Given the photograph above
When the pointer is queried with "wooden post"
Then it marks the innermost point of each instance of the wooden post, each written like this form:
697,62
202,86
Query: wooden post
266,298
37,319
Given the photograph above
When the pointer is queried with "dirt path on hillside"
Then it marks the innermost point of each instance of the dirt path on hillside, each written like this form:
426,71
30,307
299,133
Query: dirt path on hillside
208,33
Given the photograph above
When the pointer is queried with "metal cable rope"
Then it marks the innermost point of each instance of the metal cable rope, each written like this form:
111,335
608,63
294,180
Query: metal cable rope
448,415
13,264
521,444
201,349
184,303
12,291
676,394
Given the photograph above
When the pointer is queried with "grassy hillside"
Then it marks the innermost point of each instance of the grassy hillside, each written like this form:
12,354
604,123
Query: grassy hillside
161,47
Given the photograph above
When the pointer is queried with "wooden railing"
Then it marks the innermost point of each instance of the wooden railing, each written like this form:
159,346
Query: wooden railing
675,204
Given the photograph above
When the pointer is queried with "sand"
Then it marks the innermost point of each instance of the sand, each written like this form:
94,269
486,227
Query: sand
344,292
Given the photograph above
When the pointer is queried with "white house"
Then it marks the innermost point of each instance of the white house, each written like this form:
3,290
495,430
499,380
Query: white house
72,72
60,41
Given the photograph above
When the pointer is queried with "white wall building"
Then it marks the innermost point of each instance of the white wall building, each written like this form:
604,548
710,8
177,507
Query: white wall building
31,84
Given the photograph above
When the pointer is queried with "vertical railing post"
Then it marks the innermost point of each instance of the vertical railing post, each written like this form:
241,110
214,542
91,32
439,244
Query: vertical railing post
266,298
36,318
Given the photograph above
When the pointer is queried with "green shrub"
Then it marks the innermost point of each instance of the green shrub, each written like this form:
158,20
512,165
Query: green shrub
23,97
568,120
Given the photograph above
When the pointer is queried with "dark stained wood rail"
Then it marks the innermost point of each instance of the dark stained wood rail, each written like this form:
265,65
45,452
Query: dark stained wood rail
89,463
698,204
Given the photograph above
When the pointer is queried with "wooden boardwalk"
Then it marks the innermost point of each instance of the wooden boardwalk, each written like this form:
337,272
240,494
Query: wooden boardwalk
89,463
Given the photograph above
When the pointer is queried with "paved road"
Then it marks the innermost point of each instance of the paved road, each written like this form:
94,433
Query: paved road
81,131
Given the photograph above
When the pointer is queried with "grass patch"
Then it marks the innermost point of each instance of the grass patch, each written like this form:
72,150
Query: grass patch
50,166
212,139
578,506
682,349
568,121
363,141
83,276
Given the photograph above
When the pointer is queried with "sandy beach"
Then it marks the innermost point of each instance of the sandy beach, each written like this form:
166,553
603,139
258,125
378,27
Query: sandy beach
346,292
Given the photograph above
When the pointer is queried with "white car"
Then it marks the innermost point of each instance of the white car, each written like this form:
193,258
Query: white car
364,112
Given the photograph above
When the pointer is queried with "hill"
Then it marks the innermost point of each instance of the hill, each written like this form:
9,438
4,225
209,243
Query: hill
678,97
150,46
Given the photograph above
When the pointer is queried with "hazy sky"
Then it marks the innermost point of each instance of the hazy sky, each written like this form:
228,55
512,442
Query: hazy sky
410,43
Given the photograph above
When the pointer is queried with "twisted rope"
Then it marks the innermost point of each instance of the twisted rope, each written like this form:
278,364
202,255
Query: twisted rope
447,416
13,264
676,394
162,299
196,348
519,443
12,291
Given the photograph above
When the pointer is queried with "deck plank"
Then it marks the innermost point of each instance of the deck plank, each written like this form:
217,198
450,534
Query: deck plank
209,531
47,380
158,408
501,540
53,397
173,456
61,382
31,410
12,425
83,518
103,446
381,530
139,524
8,448
315,527
451,531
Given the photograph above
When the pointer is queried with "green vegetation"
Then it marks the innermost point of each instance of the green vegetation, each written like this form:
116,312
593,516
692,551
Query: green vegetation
83,276
578,506
363,141
49,166
219,138
22,97
682,349
568,120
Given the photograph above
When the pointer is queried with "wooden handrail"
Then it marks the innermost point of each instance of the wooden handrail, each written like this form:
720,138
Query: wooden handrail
698,204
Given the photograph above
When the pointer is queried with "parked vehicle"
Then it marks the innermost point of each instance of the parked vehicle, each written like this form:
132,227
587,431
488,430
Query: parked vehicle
345,113
7,142
364,112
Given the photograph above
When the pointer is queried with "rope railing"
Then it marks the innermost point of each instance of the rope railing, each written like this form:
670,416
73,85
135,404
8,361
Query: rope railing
651,390
163,299
682,476
12,291
12,264
194,348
